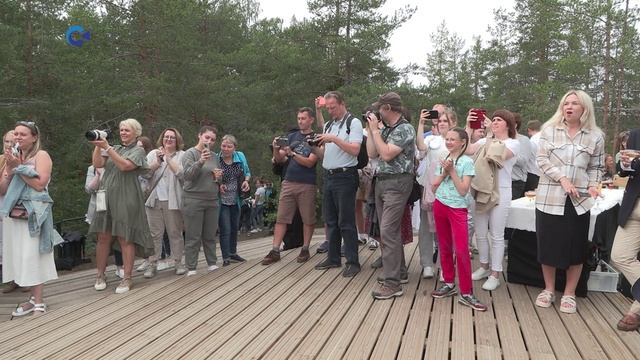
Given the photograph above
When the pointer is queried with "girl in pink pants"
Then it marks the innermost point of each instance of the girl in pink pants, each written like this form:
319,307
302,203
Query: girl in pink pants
450,214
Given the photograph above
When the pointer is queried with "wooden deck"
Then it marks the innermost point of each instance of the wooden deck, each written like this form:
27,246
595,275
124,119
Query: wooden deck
290,310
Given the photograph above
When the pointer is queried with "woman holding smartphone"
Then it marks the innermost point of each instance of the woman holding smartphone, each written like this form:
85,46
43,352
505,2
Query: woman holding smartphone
200,200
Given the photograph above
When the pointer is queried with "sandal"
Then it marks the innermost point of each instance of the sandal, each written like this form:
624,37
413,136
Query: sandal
545,299
22,309
568,304
39,309
630,322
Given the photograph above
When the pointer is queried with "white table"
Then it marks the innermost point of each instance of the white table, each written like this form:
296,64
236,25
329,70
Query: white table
522,212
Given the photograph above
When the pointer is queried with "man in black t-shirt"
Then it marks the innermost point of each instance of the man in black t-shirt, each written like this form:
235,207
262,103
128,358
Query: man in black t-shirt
298,188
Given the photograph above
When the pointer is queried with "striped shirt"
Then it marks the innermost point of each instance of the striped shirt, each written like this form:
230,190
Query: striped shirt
581,160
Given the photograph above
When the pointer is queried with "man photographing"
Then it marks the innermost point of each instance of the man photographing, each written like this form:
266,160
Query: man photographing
298,188
339,147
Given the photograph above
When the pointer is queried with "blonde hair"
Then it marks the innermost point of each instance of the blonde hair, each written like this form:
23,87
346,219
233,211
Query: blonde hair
232,139
35,131
588,118
134,125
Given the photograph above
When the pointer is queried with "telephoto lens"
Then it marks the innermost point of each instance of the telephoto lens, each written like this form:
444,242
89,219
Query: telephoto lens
93,135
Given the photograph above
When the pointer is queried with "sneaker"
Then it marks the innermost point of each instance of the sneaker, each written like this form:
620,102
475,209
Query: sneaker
480,274
323,248
326,264
162,265
180,269
377,264
101,283
254,231
385,292
236,258
213,267
373,244
142,266
472,302
444,291
151,271
350,270
362,239
119,272
303,256
191,272
226,262
124,286
492,283
404,279
427,272
272,256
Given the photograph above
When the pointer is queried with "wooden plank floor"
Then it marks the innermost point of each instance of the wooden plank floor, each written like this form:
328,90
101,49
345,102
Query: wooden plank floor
290,311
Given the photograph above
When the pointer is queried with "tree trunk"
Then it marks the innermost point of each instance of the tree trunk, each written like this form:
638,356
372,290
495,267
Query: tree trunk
607,72
620,80
28,54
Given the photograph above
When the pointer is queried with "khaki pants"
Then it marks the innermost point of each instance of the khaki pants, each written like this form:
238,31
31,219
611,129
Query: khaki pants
626,246
161,218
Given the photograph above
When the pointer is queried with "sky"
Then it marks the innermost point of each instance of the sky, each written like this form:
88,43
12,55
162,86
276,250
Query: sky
412,41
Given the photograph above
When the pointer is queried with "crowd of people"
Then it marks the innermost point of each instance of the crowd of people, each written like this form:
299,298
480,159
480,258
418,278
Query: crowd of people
463,175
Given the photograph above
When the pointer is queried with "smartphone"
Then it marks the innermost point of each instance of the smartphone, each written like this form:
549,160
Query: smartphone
206,146
480,114
321,100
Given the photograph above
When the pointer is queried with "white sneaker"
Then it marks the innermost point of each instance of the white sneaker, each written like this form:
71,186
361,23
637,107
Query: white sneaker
119,273
151,271
373,244
254,231
427,273
492,283
142,266
212,268
480,274
163,265
191,272
100,284
180,269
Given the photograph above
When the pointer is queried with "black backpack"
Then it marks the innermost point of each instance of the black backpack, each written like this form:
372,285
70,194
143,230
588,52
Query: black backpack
363,157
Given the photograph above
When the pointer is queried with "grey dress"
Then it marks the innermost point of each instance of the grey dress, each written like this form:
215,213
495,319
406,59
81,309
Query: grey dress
125,216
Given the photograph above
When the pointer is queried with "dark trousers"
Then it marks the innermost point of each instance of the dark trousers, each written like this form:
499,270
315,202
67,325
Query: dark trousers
532,182
229,217
339,210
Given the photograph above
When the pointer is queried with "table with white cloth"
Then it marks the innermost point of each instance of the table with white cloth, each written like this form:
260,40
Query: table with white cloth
523,266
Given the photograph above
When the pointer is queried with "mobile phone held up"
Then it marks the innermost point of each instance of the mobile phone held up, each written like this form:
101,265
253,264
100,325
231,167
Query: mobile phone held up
321,100
433,114
480,115
282,141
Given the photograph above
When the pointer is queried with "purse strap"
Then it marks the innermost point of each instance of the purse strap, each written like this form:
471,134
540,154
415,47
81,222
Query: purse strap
153,187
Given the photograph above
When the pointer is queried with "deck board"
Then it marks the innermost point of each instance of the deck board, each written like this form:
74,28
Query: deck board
290,311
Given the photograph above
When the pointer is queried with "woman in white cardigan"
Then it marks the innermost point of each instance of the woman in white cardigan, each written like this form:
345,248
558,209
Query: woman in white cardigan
164,205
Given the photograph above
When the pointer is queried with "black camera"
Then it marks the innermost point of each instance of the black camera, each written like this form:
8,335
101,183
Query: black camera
433,114
365,116
313,140
282,141
94,135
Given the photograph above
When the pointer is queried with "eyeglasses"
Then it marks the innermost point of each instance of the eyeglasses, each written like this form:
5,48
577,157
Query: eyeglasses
30,124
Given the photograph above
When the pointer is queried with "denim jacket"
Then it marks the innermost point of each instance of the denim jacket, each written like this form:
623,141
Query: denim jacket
39,206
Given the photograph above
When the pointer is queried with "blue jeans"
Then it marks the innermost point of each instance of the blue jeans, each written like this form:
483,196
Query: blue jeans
339,210
229,217
257,218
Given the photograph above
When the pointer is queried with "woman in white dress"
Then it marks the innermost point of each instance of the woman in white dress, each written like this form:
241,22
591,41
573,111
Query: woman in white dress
28,231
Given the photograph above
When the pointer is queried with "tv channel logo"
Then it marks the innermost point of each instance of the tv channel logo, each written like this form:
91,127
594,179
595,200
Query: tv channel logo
76,36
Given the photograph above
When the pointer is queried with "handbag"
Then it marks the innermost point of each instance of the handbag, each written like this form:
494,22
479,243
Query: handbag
19,212
416,192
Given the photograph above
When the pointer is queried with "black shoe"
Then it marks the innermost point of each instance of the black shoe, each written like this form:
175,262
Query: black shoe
326,264
236,258
226,262
350,270
377,264
323,248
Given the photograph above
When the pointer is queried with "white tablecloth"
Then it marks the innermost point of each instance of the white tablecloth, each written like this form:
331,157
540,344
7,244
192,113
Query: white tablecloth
522,212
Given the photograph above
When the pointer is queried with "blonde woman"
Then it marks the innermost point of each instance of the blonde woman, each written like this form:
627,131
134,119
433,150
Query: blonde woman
571,161
122,215
29,239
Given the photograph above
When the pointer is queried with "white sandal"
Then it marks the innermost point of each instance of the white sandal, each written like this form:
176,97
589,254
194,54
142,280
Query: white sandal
568,304
545,299
39,309
21,311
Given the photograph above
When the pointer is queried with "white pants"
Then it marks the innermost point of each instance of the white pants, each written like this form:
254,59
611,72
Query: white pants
494,221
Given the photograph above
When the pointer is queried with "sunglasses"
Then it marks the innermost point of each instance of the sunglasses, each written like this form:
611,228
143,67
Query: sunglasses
30,124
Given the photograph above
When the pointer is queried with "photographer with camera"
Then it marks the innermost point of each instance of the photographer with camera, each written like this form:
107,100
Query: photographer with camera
395,148
339,148
120,201
299,186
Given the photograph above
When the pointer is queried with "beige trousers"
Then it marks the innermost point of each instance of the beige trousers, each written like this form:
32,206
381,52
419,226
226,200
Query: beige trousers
624,254
161,218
